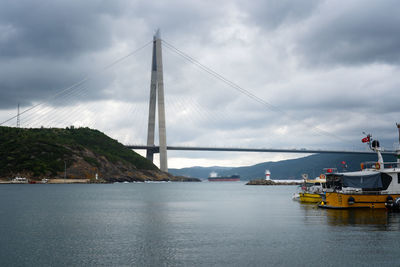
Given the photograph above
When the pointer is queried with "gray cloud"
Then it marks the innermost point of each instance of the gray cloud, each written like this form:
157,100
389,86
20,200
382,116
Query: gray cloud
349,33
276,13
326,64
55,44
54,29
45,46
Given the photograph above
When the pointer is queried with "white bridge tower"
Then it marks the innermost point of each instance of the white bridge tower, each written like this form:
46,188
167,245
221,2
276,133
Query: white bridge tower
157,95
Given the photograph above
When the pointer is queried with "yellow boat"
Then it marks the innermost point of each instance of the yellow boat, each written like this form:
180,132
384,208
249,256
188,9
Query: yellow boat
375,200
310,198
311,190
376,186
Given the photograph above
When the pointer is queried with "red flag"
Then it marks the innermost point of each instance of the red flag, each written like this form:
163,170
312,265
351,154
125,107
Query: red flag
365,139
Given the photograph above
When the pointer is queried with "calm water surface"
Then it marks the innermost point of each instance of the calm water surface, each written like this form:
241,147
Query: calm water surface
186,224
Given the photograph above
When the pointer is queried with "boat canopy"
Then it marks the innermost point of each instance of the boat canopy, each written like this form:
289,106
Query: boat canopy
363,181
371,181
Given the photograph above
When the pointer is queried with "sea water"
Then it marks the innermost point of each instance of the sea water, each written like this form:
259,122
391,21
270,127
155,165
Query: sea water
186,224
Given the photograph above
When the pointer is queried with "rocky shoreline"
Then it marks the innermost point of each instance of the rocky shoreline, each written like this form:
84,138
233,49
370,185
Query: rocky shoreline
271,182
140,179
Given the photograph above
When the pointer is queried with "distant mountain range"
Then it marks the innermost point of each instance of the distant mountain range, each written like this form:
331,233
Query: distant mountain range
286,169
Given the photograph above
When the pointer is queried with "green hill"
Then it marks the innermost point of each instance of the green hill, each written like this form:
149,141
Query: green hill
44,152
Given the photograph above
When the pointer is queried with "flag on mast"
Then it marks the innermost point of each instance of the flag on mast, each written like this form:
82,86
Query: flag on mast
365,139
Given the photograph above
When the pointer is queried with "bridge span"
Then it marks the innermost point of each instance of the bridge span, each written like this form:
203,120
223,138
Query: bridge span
156,149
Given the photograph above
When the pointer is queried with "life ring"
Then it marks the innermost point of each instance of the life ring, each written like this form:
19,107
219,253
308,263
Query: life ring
377,166
362,166
322,176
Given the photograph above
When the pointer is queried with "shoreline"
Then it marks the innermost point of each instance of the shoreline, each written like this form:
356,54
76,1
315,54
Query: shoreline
51,181
90,181
273,182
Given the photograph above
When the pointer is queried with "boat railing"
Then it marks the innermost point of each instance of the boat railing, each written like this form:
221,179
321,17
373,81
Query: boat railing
391,165
376,165
362,192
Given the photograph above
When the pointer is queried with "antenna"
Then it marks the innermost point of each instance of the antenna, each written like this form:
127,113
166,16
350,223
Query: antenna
18,119
398,148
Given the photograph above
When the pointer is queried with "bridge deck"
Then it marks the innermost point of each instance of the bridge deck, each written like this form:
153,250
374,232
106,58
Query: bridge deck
156,149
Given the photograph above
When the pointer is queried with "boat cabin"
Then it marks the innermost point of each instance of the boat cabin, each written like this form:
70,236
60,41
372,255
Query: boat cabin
361,181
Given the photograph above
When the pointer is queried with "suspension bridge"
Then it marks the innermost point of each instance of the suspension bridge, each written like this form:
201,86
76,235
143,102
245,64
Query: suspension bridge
43,111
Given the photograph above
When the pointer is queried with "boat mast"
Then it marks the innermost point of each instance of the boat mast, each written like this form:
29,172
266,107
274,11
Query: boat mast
398,147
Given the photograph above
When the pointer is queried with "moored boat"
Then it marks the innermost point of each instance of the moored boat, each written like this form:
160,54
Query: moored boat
310,198
377,185
312,190
19,180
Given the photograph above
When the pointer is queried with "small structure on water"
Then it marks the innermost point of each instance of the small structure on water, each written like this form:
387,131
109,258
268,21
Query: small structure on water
267,175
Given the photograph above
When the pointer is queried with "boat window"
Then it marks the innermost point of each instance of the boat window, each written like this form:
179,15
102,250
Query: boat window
333,181
398,178
386,180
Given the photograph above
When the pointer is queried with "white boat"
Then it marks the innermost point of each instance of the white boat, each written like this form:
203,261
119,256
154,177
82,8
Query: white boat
19,180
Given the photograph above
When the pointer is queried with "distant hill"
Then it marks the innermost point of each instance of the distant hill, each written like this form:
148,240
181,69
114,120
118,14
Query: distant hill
43,153
286,169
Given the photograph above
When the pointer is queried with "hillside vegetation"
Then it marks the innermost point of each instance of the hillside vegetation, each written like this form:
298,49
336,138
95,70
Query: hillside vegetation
44,152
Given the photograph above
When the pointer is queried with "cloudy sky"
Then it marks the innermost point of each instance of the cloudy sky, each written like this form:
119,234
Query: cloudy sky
323,72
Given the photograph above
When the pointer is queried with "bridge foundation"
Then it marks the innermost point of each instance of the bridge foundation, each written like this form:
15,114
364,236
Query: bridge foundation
157,93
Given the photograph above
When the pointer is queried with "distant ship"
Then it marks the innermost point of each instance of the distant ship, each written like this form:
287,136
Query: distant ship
214,178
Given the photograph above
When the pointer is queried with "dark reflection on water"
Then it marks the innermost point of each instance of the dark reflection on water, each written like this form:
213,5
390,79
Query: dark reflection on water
377,217
380,219
184,224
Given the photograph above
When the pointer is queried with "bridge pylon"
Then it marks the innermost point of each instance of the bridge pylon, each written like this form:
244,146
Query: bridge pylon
157,95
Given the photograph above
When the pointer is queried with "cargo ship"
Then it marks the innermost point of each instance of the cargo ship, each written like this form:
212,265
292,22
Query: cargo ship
214,178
